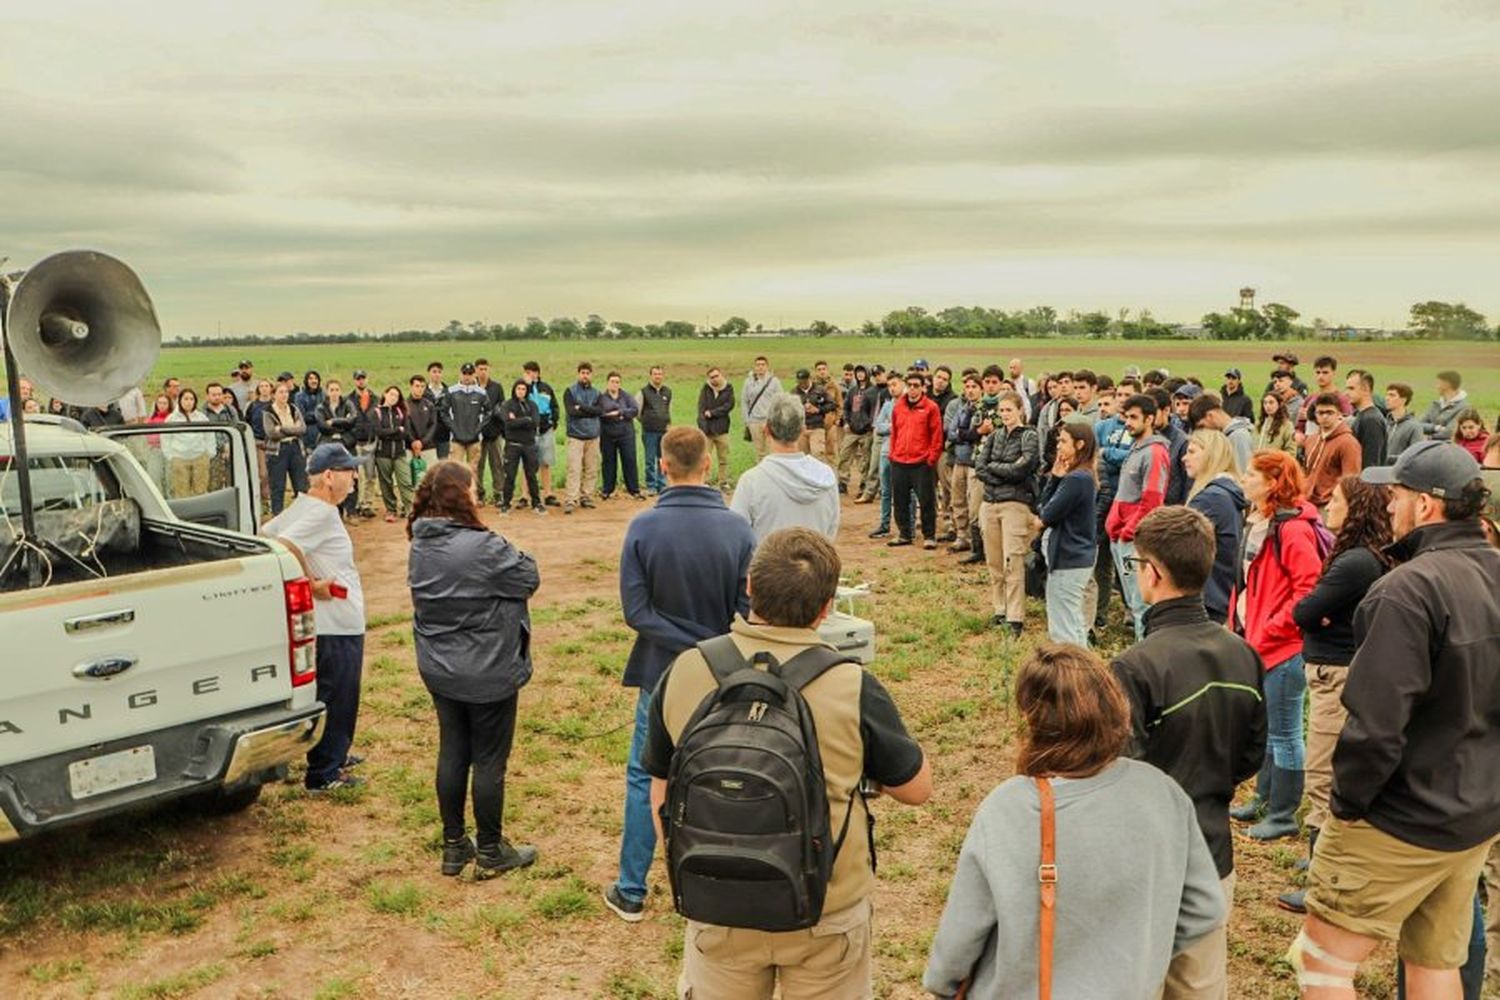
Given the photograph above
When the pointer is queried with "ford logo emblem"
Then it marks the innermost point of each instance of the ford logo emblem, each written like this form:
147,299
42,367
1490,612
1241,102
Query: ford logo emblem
100,669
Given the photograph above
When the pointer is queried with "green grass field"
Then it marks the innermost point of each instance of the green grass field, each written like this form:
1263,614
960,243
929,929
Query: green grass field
686,361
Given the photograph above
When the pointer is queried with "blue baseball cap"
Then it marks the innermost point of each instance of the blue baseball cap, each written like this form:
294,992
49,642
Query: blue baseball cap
330,456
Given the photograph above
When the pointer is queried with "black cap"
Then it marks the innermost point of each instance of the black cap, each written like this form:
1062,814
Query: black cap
1439,468
803,373
247,364
1234,373
467,368
361,373
1286,356
286,377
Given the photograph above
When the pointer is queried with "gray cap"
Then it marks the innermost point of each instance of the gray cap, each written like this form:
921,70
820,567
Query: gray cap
1437,467
330,456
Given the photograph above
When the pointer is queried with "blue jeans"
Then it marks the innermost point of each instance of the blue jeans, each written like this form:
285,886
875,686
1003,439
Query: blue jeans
885,492
340,663
1129,585
1286,683
638,840
1066,619
652,441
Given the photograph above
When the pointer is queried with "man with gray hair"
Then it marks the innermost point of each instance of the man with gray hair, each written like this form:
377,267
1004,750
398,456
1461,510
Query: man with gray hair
788,489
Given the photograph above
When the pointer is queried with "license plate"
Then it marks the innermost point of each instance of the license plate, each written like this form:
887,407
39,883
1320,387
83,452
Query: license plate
112,771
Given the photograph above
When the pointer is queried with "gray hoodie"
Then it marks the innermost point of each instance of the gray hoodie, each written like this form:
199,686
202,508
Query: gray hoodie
1241,435
1135,885
788,491
1441,418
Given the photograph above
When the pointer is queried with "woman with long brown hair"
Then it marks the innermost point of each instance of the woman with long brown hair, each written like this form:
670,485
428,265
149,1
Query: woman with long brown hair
1276,431
1067,523
1281,557
1357,516
469,588
1141,884
284,428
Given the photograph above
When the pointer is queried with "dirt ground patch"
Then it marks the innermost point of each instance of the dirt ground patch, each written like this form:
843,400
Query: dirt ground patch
340,897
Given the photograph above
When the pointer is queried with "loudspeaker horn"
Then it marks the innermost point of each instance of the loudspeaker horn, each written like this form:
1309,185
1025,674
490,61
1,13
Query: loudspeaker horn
82,327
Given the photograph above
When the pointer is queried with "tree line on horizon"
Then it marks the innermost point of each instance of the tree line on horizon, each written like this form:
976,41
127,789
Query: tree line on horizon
1431,320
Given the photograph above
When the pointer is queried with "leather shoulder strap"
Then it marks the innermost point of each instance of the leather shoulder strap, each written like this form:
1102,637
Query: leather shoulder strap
1047,878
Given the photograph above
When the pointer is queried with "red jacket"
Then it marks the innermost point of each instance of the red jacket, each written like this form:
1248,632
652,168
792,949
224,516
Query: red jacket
1283,572
916,431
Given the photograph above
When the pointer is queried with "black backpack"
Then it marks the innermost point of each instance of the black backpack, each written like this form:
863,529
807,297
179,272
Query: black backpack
746,816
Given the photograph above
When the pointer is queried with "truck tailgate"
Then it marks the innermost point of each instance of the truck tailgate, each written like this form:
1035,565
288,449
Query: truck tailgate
91,662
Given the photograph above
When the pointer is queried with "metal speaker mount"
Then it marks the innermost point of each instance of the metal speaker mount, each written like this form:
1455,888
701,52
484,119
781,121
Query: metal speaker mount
82,327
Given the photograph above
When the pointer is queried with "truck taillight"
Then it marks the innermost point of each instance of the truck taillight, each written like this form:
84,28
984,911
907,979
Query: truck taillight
301,631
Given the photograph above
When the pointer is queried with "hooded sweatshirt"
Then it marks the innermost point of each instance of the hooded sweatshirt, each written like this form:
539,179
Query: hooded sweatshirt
1441,418
1241,435
788,491
1141,489
1224,504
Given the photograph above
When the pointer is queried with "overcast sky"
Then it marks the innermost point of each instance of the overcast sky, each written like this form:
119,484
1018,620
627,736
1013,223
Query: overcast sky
276,166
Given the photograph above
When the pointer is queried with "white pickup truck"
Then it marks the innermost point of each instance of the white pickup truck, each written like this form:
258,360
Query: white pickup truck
167,652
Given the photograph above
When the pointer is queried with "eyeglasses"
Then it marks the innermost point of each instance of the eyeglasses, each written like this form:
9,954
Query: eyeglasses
1139,561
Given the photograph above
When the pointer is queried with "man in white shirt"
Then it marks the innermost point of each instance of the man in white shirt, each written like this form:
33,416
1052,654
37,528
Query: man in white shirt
314,532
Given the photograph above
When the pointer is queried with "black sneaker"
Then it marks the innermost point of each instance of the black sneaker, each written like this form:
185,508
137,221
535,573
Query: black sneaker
898,541
880,533
972,558
539,509
503,508
586,503
626,910
551,501
1016,628
342,781
946,536
456,855
352,760
492,861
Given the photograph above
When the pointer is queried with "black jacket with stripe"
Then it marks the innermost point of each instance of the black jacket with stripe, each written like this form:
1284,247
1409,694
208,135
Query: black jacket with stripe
1197,710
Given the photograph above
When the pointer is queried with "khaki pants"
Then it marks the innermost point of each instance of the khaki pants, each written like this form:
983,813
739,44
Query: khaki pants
1369,883
976,500
958,491
815,443
1199,972
854,458
1325,686
758,438
583,469
189,476
830,961
471,454
831,437
1006,528
945,522
365,497
720,445
1492,919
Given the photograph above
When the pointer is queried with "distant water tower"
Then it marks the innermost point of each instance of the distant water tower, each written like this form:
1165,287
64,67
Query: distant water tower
1247,298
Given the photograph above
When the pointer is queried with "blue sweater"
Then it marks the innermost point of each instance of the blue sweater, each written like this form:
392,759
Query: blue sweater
1114,448
682,577
1068,511
1224,504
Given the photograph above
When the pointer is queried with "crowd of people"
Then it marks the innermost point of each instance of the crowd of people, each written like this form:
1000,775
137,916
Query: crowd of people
1326,554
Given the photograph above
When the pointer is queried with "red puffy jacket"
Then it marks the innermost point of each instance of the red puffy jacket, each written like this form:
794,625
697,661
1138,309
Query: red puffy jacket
1285,569
916,431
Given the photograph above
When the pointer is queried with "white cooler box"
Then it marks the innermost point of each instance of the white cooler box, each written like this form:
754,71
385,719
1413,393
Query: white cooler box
848,634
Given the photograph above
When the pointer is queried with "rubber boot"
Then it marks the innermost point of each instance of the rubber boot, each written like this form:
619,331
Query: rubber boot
976,548
1312,841
1255,806
1296,900
1281,814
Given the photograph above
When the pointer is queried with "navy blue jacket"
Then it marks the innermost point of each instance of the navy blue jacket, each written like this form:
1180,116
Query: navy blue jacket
683,569
582,404
1068,509
1224,504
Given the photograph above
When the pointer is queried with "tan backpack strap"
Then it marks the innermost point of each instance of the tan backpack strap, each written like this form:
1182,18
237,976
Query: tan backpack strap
1047,877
